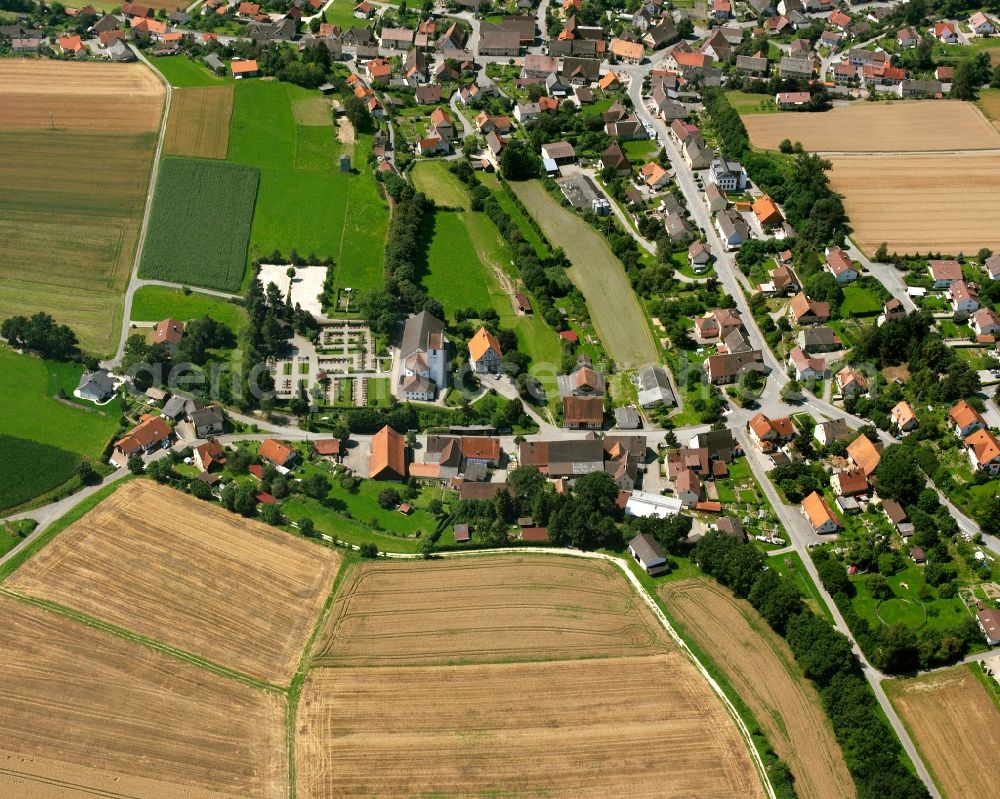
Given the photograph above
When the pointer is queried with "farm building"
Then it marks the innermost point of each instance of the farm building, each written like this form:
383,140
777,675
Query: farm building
387,459
648,554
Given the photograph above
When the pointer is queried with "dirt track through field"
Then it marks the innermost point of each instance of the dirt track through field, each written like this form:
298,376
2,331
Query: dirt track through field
192,575
913,125
85,713
70,95
199,122
921,203
956,726
761,668
486,610
614,309
587,729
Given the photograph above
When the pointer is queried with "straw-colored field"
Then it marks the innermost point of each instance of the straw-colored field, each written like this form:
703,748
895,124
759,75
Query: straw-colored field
78,140
760,666
639,727
88,714
921,203
893,127
486,610
956,726
199,121
175,569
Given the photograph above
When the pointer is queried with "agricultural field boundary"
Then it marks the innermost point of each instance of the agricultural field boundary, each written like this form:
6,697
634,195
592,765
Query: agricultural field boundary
152,643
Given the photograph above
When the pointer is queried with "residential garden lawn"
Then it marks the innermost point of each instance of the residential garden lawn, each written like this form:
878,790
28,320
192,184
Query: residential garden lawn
303,201
504,200
860,301
200,223
599,106
748,103
640,150
934,613
341,12
182,71
379,394
153,303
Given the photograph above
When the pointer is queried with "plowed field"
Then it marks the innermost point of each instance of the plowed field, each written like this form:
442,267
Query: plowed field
87,714
199,121
192,575
921,203
486,610
761,668
587,729
915,125
956,727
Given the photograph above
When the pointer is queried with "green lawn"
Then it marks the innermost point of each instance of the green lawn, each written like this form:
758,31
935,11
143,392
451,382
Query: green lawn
747,103
640,150
341,12
859,301
153,303
182,71
934,613
455,277
304,201
435,180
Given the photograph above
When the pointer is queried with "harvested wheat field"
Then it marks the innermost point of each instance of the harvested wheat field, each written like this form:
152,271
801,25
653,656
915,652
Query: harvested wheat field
72,95
630,727
896,127
492,609
921,203
762,670
85,713
198,125
956,726
192,575
84,135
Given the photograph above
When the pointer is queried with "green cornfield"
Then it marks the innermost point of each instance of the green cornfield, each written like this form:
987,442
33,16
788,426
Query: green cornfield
199,228
50,468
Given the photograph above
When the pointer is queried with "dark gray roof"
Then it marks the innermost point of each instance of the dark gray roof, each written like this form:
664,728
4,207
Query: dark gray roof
173,407
654,386
98,382
589,68
206,416
417,332
647,550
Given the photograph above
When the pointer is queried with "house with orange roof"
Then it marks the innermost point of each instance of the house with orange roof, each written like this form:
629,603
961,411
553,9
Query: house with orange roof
864,454
851,383
767,212
963,419
378,69
608,81
945,32
903,417
804,311
769,434
281,455
983,449
169,333
485,352
387,458
150,434
819,515
244,69
630,52
71,44
441,121
654,176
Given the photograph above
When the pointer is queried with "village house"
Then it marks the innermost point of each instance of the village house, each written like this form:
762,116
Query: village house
851,383
654,176
485,352
903,417
893,309
583,413
209,455
728,175
986,322
849,482
981,24
804,311
819,339
723,369
864,454
983,450
715,198
787,100
95,386
783,281
964,299
282,456
989,622
629,52
944,273
963,419
790,67
396,38
583,381
818,513
831,431
770,434
839,264
653,386
992,267
150,434
687,488
945,32
168,333
699,256
615,160
767,212
718,323
752,66
733,229
806,368
387,458
244,69
906,38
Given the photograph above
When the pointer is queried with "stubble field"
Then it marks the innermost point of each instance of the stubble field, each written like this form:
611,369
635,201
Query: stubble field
614,308
588,729
156,562
921,203
956,726
910,172
761,668
84,135
86,714
486,610
199,121
910,126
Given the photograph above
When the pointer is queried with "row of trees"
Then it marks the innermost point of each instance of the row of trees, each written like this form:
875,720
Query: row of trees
871,750
42,334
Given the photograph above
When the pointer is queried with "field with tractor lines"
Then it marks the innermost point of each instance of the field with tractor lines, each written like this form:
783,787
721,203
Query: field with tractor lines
199,120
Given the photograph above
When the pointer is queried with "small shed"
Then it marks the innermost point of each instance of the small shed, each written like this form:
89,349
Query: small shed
462,534
406,509
522,303
345,163
917,555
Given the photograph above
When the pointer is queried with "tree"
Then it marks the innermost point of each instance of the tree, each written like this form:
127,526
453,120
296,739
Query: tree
316,486
200,490
388,498
85,471
518,161
136,465
245,500
823,287
40,333
307,527
965,83
161,471
369,551
878,586
896,477
271,514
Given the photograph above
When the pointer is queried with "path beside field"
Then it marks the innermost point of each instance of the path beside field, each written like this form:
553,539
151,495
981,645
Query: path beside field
140,243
